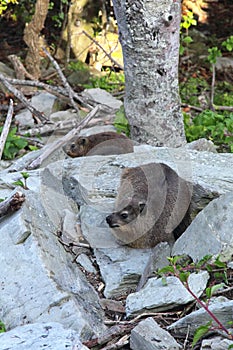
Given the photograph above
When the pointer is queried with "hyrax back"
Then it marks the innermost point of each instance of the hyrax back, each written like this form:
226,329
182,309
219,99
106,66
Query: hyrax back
152,201
104,143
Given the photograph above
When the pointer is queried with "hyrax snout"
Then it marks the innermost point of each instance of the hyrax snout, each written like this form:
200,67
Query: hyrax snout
152,202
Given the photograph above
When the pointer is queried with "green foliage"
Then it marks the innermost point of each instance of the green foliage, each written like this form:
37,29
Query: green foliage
13,144
200,332
212,126
228,44
185,38
22,183
188,20
214,53
2,327
191,88
110,82
4,4
182,273
211,290
78,66
121,123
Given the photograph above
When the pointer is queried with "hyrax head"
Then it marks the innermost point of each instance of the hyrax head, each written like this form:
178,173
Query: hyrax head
77,147
127,215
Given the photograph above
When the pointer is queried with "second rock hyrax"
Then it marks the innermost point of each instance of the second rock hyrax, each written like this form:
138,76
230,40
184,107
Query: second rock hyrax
104,143
151,203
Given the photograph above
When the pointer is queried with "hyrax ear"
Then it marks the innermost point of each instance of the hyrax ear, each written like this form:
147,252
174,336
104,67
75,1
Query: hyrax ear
141,206
83,141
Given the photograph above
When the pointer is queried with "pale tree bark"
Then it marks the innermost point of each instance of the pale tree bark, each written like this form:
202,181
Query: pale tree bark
33,39
149,35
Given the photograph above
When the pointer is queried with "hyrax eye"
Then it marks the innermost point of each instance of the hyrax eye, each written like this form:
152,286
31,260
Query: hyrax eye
124,215
72,146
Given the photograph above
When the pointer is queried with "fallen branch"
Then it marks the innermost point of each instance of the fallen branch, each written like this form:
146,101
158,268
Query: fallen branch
56,90
48,129
107,54
67,86
57,144
112,332
22,98
19,68
12,204
216,108
6,128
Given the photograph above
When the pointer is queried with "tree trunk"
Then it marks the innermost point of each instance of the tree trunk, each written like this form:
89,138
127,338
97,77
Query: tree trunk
149,35
33,39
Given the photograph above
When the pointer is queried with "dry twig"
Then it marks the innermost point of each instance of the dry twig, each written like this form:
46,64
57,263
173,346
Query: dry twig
67,86
6,128
107,54
12,204
22,98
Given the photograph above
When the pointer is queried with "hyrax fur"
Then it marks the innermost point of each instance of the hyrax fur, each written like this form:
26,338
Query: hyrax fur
104,143
151,203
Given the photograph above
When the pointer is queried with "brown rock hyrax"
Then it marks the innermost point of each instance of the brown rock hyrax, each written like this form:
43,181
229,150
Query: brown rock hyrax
104,143
151,203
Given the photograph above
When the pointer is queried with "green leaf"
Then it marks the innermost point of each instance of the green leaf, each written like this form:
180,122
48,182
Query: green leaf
166,269
18,183
184,276
187,40
219,263
25,174
164,281
200,332
2,327
120,122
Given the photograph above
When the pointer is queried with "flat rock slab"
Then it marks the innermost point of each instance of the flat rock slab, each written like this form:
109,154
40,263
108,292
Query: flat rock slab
217,343
37,336
158,295
222,310
147,335
39,281
210,233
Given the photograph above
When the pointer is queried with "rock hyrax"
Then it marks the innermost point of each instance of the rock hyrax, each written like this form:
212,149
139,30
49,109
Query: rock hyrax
151,203
104,143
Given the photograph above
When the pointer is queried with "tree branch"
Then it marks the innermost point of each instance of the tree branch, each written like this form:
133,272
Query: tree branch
12,204
107,54
6,128
22,98
67,86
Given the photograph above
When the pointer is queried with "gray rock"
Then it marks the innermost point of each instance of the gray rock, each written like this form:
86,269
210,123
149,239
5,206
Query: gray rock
202,145
217,343
210,232
222,310
120,266
157,296
86,263
97,129
103,97
39,281
147,335
39,336
44,102
63,116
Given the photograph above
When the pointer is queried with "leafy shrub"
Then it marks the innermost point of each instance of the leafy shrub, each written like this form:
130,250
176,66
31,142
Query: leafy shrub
210,125
13,144
110,82
121,123
191,89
